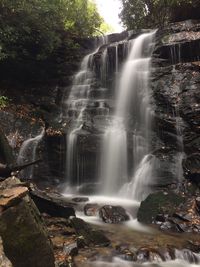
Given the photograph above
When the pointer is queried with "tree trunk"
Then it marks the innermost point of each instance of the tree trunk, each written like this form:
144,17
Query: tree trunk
6,170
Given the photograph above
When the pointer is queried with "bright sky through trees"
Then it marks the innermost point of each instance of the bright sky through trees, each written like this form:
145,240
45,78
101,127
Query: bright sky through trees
109,10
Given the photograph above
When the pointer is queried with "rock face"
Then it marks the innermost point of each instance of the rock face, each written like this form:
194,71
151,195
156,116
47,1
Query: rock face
25,239
175,89
175,85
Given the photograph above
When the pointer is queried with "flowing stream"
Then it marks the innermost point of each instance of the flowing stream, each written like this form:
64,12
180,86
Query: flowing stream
118,263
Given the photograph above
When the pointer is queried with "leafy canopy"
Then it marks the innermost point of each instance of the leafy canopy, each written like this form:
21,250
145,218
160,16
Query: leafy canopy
35,28
156,13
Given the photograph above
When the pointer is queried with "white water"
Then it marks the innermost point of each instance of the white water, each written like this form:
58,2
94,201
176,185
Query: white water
132,98
71,152
116,59
139,187
76,107
27,153
120,263
114,159
104,67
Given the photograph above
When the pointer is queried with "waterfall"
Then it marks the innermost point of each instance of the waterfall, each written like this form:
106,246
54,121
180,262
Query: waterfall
78,105
131,119
139,186
175,53
104,67
27,153
132,99
117,59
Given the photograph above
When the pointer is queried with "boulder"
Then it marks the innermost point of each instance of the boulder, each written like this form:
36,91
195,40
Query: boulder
52,205
171,212
25,239
113,214
156,204
91,237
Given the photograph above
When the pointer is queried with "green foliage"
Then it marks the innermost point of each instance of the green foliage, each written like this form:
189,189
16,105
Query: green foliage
106,28
81,17
32,28
37,35
155,13
3,101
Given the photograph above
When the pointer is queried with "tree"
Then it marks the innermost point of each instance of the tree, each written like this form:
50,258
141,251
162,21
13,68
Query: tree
32,28
156,13
33,32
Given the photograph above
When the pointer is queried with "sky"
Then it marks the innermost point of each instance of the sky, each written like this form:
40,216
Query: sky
109,10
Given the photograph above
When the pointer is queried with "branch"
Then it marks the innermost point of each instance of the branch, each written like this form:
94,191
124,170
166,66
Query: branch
6,170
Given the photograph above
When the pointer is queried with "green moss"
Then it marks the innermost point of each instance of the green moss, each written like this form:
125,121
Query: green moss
24,237
158,203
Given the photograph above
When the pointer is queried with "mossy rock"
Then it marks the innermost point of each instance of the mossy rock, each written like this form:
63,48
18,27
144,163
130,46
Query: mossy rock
158,203
25,239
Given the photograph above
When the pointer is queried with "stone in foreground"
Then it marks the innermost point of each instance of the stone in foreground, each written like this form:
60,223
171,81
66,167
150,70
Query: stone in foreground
24,236
159,203
91,237
53,206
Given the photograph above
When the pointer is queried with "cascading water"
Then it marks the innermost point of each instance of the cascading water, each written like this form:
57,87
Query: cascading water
104,67
117,59
78,103
132,117
132,99
119,263
127,165
27,153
